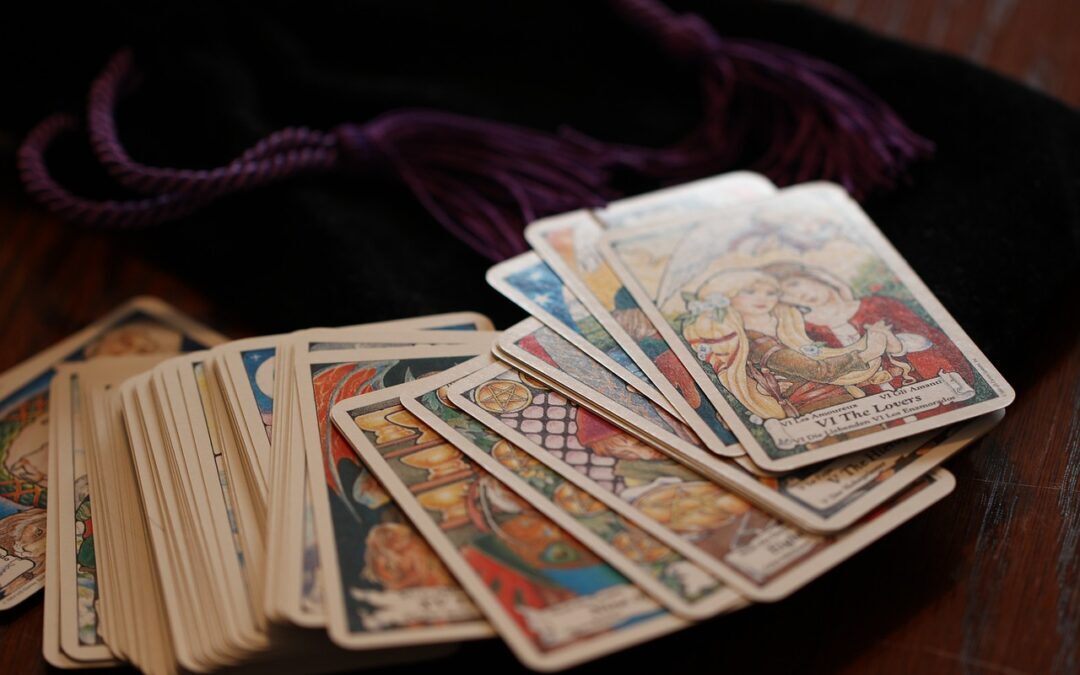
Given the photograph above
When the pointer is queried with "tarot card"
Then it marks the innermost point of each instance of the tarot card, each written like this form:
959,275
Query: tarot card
106,544
132,617
77,582
295,593
300,549
533,285
183,549
144,325
50,630
183,490
184,483
250,366
567,243
177,589
111,612
235,442
76,593
668,577
284,564
685,199
760,557
383,585
188,385
542,352
821,499
247,515
804,327
554,602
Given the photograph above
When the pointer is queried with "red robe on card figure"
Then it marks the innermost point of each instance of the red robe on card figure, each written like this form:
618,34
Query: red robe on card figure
835,318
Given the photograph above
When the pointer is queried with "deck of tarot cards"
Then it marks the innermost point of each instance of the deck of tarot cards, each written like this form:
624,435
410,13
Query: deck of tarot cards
724,390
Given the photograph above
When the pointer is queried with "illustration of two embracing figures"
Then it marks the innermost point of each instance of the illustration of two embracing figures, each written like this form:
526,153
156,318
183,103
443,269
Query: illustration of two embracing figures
788,338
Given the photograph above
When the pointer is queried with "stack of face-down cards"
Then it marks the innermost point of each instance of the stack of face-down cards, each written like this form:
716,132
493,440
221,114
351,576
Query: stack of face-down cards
723,392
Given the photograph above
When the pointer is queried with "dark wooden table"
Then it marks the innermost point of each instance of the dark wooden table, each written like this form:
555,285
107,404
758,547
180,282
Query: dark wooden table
1033,41
986,581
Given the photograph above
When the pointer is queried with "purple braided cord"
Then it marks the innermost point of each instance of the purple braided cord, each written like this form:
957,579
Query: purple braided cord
477,178
484,180
286,153
40,185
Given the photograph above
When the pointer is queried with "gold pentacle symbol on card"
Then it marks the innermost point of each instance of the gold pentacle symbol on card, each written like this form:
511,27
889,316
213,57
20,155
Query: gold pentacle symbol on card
503,396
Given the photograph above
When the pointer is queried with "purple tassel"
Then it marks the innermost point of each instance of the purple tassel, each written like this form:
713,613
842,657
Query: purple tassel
825,125
483,181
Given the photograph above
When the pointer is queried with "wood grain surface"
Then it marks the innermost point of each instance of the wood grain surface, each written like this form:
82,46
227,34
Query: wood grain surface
987,581
1033,41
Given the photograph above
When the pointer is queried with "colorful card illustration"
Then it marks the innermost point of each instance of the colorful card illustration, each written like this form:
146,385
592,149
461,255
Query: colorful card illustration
821,499
759,556
553,601
250,367
455,331
567,243
542,352
383,584
141,326
675,582
804,327
533,285
250,364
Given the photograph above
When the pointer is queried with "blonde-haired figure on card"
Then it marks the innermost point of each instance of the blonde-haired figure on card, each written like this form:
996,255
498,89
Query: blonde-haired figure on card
760,352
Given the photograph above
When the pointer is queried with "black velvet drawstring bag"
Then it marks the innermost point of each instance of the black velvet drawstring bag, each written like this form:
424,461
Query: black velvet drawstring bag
990,220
